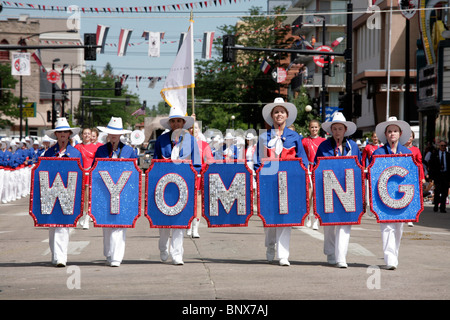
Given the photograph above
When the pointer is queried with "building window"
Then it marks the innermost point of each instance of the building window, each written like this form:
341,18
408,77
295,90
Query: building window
4,54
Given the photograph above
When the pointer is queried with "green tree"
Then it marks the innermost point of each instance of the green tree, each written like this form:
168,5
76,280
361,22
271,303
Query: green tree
240,88
8,102
111,106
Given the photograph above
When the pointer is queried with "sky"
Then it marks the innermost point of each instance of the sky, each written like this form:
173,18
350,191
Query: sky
136,61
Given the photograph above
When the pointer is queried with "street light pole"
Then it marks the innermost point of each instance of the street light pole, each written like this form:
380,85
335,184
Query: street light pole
53,96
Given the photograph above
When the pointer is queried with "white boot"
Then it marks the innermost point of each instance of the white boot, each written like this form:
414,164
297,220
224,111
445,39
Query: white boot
195,224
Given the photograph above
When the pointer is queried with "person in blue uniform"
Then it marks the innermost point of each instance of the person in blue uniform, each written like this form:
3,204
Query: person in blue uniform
280,143
175,144
393,134
336,238
114,238
59,236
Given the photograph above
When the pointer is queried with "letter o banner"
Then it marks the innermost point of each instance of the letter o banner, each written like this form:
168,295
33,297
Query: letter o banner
171,200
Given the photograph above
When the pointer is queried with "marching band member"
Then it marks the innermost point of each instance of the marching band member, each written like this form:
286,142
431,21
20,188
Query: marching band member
336,238
281,143
394,134
114,238
311,144
59,236
175,144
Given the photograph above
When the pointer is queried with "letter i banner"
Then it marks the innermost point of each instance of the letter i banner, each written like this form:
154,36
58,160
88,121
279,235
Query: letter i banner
227,194
57,193
116,193
395,188
338,184
171,199
282,192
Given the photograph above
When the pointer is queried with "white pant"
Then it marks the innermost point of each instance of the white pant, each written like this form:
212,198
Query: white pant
280,236
391,235
114,244
336,239
59,242
175,246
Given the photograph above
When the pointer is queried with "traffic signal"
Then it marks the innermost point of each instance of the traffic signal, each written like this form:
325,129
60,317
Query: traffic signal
316,106
345,104
357,103
228,55
326,65
90,40
117,89
49,116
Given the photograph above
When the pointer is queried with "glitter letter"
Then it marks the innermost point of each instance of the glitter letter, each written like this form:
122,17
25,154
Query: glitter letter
65,195
407,190
115,189
282,192
331,183
217,191
182,198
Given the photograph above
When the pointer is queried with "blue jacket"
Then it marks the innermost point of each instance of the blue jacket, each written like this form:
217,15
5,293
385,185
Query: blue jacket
292,147
71,152
328,149
189,149
386,149
123,151
5,158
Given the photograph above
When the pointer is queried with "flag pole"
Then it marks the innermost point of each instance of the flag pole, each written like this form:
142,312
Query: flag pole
192,60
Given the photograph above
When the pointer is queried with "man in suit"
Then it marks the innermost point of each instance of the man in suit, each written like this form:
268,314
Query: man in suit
439,172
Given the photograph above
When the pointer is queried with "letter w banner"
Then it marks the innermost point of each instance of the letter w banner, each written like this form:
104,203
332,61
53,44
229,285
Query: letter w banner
395,188
57,192
115,190
227,194
171,199
338,190
283,193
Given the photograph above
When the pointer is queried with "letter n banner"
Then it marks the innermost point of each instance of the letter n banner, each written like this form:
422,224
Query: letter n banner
395,188
115,190
57,193
338,190
227,194
283,193
170,193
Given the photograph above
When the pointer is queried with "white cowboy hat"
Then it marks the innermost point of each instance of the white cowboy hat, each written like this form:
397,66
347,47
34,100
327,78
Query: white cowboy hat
291,109
228,136
6,142
250,136
404,127
177,113
114,127
61,125
339,118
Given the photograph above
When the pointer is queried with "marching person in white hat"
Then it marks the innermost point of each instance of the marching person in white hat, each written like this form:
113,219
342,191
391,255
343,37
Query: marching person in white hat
176,144
59,236
280,143
336,238
393,134
114,238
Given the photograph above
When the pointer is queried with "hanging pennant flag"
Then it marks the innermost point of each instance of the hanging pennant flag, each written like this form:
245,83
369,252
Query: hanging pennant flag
102,32
181,75
208,38
336,42
180,43
265,66
37,57
141,110
152,83
154,42
124,38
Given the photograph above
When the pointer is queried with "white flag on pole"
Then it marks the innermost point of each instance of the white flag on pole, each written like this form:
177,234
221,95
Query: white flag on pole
181,75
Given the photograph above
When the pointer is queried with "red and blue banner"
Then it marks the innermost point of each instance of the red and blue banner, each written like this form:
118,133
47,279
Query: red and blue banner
115,191
57,192
338,190
170,193
395,188
282,193
227,194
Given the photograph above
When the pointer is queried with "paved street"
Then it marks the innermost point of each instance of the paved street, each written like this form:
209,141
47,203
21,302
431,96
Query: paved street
224,264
